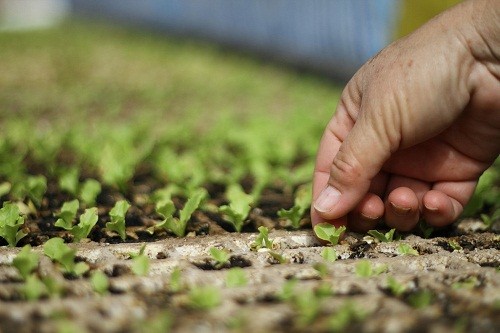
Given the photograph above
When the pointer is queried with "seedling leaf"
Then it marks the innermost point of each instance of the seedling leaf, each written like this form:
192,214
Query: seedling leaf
87,221
26,261
99,282
262,240
67,214
89,192
220,256
236,277
239,206
10,222
204,298
117,215
329,232
405,249
387,237
140,262
329,254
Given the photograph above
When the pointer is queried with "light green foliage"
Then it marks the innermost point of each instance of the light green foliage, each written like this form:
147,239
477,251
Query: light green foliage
329,254
56,250
387,237
221,257
454,245
303,197
89,192
87,221
68,180
364,268
26,261
322,269
99,282
117,215
347,314
5,188
140,262
35,188
204,297
236,277
420,299
288,290
67,214
487,193
33,288
10,223
176,283
405,249
280,258
329,232
307,304
166,209
396,288
262,240
239,206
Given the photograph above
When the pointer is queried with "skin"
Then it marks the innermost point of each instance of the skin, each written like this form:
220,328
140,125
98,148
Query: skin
415,127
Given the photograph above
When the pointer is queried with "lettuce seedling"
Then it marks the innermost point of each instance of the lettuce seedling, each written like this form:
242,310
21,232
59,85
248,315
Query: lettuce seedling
87,221
329,254
5,188
425,228
140,262
178,225
346,315
67,214
89,192
26,261
33,288
204,298
405,249
385,238
262,240
239,206
10,222
36,187
61,253
364,268
308,305
117,215
99,282
236,277
176,282
301,204
329,232
68,180
221,257
396,288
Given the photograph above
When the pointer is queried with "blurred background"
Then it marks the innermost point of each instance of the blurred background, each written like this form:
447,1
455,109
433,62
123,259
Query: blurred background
331,36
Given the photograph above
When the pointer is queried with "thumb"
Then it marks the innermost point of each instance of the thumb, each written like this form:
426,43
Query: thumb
358,160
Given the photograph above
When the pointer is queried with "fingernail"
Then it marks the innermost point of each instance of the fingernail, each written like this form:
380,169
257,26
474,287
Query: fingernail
369,218
402,211
328,198
431,209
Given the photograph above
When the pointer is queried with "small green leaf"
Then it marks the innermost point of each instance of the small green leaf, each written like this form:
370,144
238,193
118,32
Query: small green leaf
99,282
5,188
329,254
329,232
26,261
87,221
56,250
176,283
220,256
239,206
89,192
10,222
36,185
33,289
117,215
204,298
192,204
165,208
364,268
396,288
262,240
236,277
68,180
140,262
67,214
405,249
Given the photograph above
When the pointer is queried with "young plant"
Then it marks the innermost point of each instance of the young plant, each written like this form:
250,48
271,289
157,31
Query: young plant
5,188
346,315
36,187
236,277
396,288
178,225
221,257
89,192
10,223
278,258
67,214
329,232
204,298
364,268
307,305
87,221
176,283
99,282
329,254
33,288
301,205
117,215
262,240
405,249
61,253
140,262
26,261
287,291
68,180
387,237
426,229
454,245
239,206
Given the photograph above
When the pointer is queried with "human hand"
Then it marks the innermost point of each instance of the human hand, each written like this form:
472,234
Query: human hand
415,127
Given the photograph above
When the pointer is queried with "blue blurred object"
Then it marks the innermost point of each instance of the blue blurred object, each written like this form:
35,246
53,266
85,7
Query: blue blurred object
335,36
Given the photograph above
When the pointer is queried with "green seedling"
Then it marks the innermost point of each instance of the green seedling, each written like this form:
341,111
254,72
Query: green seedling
322,269
87,221
178,225
68,180
176,283
33,288
236,277
54,287
36,186
91,188
364,268
67,214
140,262
239,206
387,237
10,223
454,245
99,282
329,232
301,205
329,254
204,298
262,240
61,253
26,261
5,188
221,257
406,250
287,291
425,228
396,288
278,257
420,299
346,315
117,215
307,305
